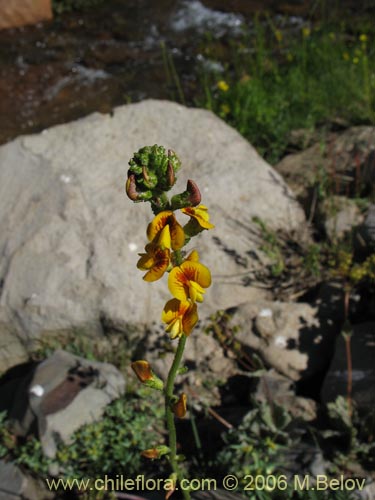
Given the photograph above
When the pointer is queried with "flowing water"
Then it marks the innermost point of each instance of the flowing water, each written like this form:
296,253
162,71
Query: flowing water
115,53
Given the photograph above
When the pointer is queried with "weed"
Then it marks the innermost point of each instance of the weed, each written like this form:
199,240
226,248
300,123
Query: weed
302,81
103,447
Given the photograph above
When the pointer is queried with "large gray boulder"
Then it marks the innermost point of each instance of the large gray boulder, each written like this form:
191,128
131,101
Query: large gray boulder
58,396
69,236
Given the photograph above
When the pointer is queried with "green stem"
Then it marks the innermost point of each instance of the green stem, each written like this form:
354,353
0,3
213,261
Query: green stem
169,413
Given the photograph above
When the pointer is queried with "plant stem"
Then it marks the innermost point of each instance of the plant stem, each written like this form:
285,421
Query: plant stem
348,351
169,413
350,373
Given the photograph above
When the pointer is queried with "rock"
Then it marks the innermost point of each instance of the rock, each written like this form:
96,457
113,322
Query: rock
363,355
209,366
368,492
275,388
346,160
69,236
58,396
20,12
12,350
15,485
295,339
340,215
365,236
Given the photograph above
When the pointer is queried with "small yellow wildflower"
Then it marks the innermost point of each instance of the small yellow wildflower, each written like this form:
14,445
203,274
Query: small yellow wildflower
306,32
180,317
225,109
363,38
188,281
278,35
355,60
223,86
165,232
155,261
346,56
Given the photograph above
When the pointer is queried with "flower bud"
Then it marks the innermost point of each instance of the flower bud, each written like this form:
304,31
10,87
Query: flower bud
145,375
157,452
194,193
171,178
179,408
152,172
130,188
191,197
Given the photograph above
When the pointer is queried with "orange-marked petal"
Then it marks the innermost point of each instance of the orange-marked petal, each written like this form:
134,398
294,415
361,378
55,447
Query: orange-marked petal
156,225
178,284
155,261
190,319
177,234
193,256
200,214
195,271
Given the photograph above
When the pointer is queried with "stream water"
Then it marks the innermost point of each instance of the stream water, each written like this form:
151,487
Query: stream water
113,54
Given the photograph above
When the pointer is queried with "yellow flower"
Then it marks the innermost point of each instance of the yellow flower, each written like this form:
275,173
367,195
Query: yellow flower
223,86
200,214
165,232
363,38
225,109
180,317
179,408
355,60
156,261
346,56
188,281
278,35
306,32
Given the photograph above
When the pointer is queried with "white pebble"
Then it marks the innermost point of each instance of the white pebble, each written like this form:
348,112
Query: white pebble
65,178
281,341
265,313
37,390
132,247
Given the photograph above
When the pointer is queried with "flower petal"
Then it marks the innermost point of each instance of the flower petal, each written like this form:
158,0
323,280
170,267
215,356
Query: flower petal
178,284
195,271
156,225
200,214
190,319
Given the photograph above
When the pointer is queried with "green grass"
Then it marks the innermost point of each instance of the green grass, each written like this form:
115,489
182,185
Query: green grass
278,82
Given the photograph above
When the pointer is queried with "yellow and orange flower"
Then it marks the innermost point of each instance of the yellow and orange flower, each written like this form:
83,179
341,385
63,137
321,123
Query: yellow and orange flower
165,231
188,281
155,261
180,317
200,214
